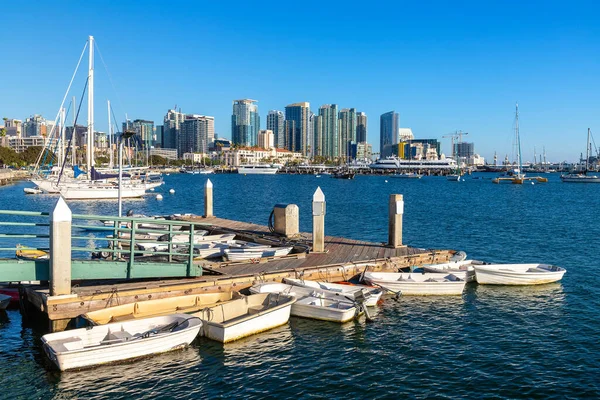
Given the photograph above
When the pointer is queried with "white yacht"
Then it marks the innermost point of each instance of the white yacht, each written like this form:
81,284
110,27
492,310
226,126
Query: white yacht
257,169
394,163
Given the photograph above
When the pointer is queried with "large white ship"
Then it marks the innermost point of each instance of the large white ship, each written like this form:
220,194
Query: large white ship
394,163
257,169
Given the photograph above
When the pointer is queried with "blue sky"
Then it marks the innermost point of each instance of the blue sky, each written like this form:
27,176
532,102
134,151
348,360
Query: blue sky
442,65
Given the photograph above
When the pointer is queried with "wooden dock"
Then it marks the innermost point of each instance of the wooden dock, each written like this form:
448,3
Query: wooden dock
343,259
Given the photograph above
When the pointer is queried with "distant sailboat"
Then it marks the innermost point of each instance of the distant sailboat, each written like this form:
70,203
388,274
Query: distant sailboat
582,177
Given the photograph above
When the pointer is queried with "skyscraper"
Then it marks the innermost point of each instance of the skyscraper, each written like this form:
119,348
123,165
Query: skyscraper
143,129
245,122
171,131
361,127
197,133
266,139
347,131
388,133
296,127
275,121
330,141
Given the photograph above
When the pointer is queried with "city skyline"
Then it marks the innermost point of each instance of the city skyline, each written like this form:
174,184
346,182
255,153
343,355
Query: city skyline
446,67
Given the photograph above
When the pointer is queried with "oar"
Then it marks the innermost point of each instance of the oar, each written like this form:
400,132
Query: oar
361,305
396,292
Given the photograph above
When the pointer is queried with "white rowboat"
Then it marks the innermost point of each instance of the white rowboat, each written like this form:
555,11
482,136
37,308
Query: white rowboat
372,295
119,341
246,316
518,274
417,284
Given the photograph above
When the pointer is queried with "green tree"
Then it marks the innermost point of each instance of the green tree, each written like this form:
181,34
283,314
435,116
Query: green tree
31,154
9,157
157,160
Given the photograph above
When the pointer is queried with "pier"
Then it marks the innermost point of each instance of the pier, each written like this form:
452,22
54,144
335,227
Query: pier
71,283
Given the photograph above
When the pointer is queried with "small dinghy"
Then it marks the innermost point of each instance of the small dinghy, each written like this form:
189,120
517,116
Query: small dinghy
371,294
4,301
241,254
461,269
518,274
417,284
32,191
29,254
313,303
119,341
154,308
244,317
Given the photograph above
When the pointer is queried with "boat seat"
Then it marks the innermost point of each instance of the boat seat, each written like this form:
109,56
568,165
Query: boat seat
68,344
256,309
117,336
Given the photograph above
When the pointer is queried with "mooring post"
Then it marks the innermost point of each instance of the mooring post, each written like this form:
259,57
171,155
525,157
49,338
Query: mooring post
60,249
318,235
208,199
396,210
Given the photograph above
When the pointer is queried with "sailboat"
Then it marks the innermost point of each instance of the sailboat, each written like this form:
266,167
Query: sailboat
96,186
516,175
582,177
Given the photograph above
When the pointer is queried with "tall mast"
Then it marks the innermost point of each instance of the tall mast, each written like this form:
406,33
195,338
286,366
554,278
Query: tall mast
90,129
74,134
518,139
587,151
111,161
61,148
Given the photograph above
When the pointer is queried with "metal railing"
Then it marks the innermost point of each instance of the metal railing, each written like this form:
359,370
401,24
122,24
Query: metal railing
173,255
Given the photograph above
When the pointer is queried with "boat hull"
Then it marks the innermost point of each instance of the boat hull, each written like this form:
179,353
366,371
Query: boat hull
324,310
415,284
517,274
4,301
257,171
257,313
100,192
580,179
77,355
372,297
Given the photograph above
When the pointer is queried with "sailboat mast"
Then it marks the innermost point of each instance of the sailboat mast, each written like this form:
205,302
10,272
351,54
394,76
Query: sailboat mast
73,135
61,148
518,139
587,151
90,129
110,137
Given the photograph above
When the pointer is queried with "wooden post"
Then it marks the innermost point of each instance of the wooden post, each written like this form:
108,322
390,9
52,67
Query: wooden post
60,249
318,206
396,210
208,199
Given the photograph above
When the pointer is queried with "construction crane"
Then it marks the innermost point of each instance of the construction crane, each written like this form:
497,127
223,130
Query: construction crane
455,135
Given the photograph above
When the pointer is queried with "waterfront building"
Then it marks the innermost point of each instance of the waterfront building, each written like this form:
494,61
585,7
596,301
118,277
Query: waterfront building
310,135
389,125
143,129
361,127
34,125
296,127
275,122
252,156
14,127
347,131
406,134
266,139
328,131
80,135
464,150
318,144
220,145
159,134
245,122
20,144
194,158
101,140
362,151
169,154
197,133
172,130
418,149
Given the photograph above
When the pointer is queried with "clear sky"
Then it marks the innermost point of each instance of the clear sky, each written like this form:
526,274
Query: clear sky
442,65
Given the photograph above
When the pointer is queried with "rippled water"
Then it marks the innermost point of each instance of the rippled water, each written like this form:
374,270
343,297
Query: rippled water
515,342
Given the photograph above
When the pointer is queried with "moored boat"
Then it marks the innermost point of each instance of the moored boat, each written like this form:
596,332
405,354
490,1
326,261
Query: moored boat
4,301
153,308
32,191
241,254
372,295
518,274
119,341
29,254
417,284
461,269
244,317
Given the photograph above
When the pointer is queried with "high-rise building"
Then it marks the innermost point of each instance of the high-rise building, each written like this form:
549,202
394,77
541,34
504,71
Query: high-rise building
245,122
35,125
310,135
159,134
388,133
266,139
347,131
143,129
361,127
328,131
197,133
14,127
275,122
296,127
464,149
171,131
